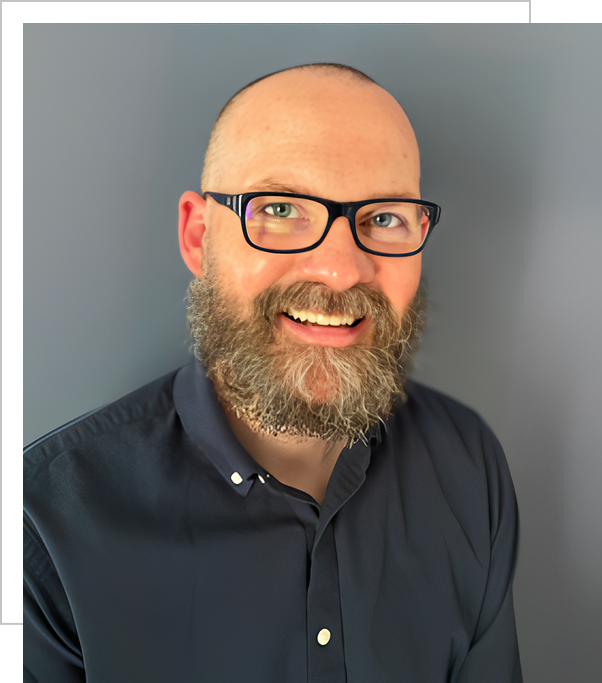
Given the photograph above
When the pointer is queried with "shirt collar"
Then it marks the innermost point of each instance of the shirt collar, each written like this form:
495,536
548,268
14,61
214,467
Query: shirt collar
205,423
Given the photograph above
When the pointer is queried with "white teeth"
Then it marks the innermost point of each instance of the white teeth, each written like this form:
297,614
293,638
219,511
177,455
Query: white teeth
320,318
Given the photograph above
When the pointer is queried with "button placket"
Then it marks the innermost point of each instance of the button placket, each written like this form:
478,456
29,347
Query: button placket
326,656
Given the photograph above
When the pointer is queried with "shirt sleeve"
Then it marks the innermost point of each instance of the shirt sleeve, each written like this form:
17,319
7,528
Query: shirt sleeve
51,651
493,655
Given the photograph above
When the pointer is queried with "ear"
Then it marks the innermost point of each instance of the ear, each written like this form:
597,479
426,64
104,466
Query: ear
191,230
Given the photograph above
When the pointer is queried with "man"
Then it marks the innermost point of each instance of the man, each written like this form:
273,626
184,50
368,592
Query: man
288,507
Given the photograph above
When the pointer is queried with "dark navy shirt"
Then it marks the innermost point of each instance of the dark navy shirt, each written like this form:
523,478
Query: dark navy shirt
157,551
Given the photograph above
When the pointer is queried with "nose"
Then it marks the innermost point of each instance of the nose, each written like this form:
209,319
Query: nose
338,262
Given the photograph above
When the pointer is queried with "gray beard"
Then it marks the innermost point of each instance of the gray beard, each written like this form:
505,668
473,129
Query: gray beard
279,386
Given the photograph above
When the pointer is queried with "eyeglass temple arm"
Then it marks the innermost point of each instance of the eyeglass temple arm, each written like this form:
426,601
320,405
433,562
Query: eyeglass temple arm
231,201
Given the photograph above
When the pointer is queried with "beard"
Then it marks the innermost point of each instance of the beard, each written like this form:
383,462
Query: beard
280,386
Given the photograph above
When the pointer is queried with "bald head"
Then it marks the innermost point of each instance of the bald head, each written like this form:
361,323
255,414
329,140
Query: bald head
313,114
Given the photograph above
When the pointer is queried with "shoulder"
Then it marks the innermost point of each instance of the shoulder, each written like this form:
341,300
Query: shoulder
427,403
147,401
444,421
102,435
458,445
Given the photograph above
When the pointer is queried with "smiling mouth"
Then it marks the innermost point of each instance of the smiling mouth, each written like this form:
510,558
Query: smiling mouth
310,318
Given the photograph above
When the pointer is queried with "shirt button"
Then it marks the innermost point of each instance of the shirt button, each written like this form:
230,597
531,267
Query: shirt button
236,478
261,479
324,636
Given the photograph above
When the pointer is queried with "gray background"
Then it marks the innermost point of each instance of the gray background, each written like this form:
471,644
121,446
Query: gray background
508,120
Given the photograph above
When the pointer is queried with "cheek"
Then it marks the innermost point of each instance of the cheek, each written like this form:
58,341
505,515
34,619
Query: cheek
399,280
243,271
246,272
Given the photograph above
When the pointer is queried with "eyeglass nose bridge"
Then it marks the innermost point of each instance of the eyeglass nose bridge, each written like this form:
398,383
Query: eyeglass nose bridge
336,210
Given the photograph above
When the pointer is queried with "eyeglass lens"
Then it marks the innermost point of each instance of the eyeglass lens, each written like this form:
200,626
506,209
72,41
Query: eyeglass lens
286,223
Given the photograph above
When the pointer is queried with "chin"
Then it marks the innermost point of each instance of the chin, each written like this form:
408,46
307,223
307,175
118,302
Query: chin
320,390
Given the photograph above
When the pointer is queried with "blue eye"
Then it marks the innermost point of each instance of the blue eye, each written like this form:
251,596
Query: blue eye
386,220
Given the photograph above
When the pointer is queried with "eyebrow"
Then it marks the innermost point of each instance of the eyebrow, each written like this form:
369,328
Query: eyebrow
272,185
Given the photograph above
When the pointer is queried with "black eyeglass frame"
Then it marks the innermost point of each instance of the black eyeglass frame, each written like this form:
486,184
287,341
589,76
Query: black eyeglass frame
238,203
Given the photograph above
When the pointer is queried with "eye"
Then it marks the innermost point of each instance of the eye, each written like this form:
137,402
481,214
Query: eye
385,220
282,210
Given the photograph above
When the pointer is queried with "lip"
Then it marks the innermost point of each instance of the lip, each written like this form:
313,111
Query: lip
324,335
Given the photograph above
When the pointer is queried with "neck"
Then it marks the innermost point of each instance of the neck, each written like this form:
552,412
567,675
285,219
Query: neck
303,463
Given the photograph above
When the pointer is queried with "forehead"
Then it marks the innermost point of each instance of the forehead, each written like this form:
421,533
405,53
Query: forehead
332,136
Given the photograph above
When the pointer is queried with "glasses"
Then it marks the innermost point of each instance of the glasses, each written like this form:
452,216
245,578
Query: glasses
288,223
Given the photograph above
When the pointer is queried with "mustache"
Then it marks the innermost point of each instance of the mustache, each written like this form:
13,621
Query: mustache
358,301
